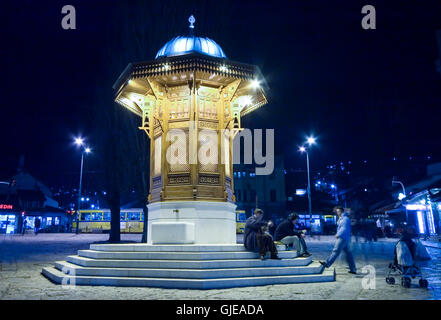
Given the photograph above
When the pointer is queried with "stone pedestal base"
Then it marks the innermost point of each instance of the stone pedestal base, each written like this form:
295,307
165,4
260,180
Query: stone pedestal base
191,222
183,266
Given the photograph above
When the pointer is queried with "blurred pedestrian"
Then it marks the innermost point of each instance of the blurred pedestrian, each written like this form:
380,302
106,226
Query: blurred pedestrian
37,225
24,227
343,241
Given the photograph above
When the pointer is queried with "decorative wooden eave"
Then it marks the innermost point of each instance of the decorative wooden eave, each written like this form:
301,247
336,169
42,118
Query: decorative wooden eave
191,64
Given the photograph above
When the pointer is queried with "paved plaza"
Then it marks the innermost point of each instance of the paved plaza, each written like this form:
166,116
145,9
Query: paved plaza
23,257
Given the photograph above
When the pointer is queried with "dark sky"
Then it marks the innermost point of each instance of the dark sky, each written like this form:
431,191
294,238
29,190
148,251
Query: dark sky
367,94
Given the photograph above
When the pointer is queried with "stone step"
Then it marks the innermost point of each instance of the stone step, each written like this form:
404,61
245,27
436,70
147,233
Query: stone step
72,269
173,248
188,264
61,278
169,255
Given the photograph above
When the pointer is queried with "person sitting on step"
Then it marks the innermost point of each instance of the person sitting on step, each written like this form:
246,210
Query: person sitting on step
289,236
257,240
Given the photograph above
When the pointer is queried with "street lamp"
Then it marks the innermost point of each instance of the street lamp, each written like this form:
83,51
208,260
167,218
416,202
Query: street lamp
80,143
403,195
310,141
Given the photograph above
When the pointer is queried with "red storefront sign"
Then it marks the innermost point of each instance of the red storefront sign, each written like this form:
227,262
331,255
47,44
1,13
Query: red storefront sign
6,206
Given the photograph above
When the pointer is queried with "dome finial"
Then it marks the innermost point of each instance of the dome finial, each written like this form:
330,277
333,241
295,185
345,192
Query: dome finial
192,20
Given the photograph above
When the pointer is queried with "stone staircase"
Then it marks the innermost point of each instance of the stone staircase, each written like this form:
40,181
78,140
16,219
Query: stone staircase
183,267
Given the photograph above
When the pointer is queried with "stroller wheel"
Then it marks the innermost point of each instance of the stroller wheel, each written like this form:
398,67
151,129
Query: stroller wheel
390,280
405,282
423,283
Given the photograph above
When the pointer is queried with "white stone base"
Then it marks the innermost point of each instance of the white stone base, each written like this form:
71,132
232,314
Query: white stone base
191,222
183,266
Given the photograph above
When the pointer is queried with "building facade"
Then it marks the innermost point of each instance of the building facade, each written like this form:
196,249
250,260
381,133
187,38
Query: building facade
23,198
267,192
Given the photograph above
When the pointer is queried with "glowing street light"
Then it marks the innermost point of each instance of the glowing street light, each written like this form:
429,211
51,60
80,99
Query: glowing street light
401,195
310,141
80,143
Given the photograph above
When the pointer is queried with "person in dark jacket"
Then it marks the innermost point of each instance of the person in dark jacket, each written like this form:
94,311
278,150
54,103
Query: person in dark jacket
257,240
289,236
37,225
25,223
406,237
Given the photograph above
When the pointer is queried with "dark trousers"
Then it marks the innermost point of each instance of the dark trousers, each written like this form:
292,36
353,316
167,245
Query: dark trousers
265,243
303,243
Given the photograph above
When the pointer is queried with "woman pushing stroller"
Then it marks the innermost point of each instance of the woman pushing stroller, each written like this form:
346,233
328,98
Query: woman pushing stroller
407,252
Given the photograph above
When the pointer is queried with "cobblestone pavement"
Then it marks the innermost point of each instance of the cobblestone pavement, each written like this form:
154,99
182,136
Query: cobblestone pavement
23,257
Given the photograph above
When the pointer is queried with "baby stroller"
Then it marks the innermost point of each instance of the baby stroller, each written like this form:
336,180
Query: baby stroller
404,264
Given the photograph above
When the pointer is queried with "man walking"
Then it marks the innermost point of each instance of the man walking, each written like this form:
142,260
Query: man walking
286,233
343,241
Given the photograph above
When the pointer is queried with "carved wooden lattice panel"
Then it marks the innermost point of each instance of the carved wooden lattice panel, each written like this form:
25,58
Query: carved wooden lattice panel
179,109
208,98
226,154
208,151
157,159
178,151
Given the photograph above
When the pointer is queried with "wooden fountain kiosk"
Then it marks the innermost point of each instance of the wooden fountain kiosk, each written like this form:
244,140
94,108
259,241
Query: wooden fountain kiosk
190,101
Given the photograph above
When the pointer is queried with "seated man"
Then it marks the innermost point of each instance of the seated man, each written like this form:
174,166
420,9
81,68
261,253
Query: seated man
286,233
256,238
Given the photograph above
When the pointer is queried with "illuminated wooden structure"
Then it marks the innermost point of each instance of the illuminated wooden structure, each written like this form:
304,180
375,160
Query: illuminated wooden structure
191,86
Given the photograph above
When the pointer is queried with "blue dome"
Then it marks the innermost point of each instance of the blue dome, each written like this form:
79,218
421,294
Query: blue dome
191,44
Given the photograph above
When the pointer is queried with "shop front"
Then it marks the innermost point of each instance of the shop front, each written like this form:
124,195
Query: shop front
8,220
321,224
13,222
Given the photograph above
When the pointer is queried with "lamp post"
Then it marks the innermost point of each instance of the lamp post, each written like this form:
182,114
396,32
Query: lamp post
310,141
404,193
80,143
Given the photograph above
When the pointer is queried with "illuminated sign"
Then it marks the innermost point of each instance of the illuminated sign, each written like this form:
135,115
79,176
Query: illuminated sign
6,206
416,207
421,226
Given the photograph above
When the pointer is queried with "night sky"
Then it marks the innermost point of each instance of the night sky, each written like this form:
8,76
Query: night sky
367,94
